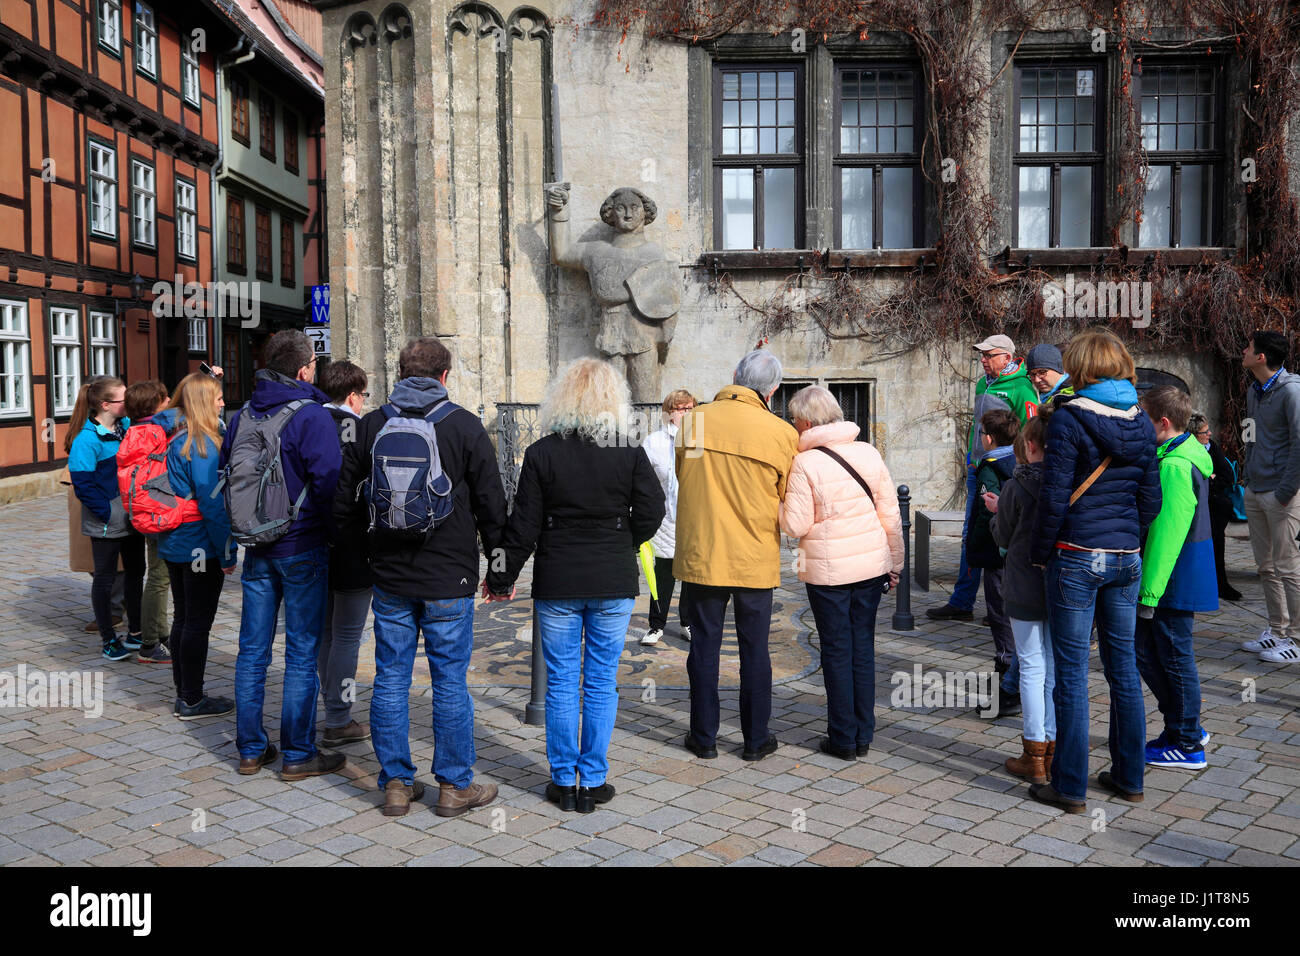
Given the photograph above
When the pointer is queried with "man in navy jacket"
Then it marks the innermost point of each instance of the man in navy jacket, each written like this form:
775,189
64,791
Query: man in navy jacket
295,567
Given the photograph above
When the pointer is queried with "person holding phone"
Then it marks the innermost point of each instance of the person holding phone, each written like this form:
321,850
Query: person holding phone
841,505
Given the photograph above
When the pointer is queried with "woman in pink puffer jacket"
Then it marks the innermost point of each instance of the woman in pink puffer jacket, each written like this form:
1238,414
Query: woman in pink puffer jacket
850,545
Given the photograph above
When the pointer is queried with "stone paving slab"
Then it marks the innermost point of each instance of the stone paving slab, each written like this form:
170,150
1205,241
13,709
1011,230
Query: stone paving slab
127,784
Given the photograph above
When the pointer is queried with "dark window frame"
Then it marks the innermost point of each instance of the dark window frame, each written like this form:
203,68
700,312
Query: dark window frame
91,177
289,121
1094,158
288,256
1214,156
878,161
239,265
152,245
266,125
188,55
262,214
115,52
137,33
761,161
193,184
240,128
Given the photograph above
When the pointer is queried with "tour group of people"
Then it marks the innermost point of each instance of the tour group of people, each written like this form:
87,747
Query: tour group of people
1089,507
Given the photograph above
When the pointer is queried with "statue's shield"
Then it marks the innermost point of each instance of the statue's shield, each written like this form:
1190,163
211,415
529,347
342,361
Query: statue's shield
656,289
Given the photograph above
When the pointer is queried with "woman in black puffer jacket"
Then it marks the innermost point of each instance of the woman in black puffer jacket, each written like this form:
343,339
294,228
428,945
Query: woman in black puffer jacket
1101,488
587,499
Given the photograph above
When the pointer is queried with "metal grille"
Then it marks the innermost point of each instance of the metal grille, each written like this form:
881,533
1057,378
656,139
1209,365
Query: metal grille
854,399
518,427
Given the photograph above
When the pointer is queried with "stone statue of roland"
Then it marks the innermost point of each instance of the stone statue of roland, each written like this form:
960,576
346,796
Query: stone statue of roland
639,292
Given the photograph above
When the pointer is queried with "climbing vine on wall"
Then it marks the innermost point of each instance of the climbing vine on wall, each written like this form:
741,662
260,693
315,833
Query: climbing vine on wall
968,289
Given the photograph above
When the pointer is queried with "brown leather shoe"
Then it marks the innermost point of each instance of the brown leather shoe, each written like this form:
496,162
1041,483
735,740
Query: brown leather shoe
317,765
453,802
1029,765
1043,793
398,797
350,733
1047,759
250,765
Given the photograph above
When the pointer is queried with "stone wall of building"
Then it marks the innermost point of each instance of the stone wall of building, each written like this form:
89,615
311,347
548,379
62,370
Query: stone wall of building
438,120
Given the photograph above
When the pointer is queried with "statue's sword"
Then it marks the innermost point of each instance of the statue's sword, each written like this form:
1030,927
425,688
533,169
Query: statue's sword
557,155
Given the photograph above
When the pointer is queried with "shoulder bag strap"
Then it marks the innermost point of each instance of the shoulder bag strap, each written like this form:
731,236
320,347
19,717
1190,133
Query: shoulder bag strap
849,468
1087,483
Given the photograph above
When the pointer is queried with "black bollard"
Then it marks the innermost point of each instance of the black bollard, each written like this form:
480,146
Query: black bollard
535,712
903,620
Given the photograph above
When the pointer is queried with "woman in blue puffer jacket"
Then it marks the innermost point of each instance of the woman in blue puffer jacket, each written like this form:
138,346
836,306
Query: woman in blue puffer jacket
1101,488
199,554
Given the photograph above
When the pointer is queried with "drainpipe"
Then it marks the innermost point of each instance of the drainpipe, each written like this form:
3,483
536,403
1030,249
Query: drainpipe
242,44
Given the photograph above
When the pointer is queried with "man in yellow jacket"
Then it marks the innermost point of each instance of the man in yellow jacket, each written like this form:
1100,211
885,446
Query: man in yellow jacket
732,458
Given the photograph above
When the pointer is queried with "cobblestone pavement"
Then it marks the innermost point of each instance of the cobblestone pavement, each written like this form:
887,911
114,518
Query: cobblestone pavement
135,786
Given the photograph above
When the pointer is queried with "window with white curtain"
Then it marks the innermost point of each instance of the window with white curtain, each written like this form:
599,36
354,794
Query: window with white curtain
103,343
103,190
146,40
65,352
186,218
15,360
144,203
189,69
109,23
198,334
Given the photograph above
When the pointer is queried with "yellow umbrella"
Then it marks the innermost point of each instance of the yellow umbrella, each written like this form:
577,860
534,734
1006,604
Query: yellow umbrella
647,555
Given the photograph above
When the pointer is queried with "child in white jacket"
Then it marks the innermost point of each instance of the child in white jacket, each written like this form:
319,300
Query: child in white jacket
659,448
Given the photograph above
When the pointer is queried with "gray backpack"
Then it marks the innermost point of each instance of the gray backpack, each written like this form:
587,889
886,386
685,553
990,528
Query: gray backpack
257,498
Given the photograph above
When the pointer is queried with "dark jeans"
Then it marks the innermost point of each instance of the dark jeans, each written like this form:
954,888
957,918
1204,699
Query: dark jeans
1080,583
1004,641
753,611
1220,515
106,552
1167,662
845,615
665,584
195,595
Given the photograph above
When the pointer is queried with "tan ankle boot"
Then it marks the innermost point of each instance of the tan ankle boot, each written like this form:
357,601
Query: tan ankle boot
453,802
1047,759
1029,765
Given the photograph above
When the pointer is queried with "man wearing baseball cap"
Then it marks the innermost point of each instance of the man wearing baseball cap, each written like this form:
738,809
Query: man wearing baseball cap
1047,372
1005,384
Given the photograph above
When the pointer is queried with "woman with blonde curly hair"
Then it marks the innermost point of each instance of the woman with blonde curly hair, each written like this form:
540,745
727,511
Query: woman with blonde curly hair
586,500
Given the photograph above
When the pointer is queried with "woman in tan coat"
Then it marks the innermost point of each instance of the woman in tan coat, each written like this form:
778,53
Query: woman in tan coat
841,505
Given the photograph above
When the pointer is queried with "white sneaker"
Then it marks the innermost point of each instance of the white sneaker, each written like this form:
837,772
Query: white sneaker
652,637
1266,642
686,633
1286,652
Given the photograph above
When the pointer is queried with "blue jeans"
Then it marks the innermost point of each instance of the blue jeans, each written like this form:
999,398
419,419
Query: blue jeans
845,615
582,639
1167,662
968,578
302,581
1077,583
1037,678
448,628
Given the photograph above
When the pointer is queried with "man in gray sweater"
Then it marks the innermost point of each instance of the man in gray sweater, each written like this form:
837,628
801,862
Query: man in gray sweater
1272,478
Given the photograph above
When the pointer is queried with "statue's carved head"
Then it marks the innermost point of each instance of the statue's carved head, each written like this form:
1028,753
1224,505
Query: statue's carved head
628,209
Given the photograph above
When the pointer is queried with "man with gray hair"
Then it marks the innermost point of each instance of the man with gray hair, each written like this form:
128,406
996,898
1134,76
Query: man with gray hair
732,459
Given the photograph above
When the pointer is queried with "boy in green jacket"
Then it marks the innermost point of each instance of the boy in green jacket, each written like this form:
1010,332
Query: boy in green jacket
1178,579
